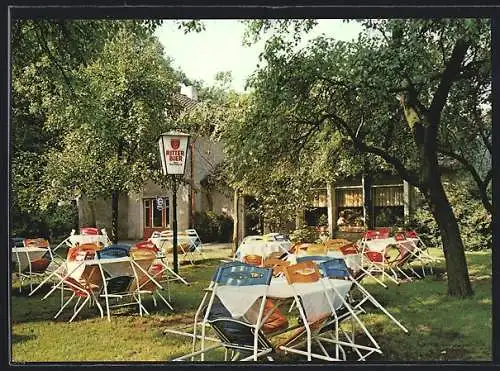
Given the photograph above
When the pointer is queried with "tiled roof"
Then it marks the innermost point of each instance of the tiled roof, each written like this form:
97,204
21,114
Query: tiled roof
187,103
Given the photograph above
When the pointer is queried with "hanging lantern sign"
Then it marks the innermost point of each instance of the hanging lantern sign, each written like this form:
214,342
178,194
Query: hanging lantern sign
173,151
159,203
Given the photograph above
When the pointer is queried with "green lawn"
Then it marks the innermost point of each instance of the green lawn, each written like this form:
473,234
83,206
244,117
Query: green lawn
441,328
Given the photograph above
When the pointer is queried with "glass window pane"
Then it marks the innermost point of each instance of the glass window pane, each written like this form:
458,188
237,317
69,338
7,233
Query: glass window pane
147,213
157,219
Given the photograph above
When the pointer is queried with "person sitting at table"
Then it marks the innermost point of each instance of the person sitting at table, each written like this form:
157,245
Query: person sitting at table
341,220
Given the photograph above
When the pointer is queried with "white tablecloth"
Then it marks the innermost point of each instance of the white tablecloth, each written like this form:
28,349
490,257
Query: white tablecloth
312,294
115,267
353,261
83,238
380,245
163,243
239,299
24,255
261,248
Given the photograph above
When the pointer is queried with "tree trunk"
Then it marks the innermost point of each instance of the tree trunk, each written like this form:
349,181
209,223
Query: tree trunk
456,265
114,216
76,219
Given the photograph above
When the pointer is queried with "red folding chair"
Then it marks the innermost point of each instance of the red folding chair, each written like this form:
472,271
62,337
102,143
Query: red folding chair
383,233
87,286
89,231
370,235
377,262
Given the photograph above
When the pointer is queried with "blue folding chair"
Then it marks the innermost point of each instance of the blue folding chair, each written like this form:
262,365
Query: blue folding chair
241,337
114,251
118,284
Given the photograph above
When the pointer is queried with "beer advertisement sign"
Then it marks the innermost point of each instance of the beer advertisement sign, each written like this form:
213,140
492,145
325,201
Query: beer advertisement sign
173,152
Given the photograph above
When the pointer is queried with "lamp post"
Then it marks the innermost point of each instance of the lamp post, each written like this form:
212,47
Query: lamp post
173,152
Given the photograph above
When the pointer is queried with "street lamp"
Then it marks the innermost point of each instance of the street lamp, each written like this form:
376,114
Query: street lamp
173,152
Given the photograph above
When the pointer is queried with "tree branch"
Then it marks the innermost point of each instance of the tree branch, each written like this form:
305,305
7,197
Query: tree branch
363,147
482,184
44,45
450,73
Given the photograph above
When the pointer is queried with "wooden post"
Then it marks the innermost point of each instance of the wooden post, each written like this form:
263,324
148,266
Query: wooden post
330,202
366,182
235,221
406,201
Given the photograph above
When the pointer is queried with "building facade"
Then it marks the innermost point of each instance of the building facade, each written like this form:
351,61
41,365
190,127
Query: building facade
142,213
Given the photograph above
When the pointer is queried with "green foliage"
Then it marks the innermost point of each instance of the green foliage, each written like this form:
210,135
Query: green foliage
306,234
213,227
473,220
50,98
332,94
54,223
323,220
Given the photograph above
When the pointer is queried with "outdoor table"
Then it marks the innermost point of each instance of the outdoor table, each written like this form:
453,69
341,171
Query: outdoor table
23,256
84,238
114,267
261,248
353,261
381,245
238,300
163,242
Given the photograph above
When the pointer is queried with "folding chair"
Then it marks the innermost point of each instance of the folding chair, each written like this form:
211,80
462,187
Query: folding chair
369,235
197,240
161,256
421,250
235,333
33,259
383,233
335,269
87,287
82,280
357,286
405,256
117,281
185,244
253,260
378,263
297,275
374,261
60,271
146,283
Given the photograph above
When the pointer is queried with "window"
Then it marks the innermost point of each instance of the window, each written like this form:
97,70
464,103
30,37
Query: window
319,198
388,205
147,213
316,216
349,206
155,217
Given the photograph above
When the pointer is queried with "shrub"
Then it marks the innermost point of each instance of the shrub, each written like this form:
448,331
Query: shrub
53,223
212,227
306,234
473,220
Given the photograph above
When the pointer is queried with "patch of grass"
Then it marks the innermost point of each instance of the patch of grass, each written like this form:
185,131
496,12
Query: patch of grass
441,327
